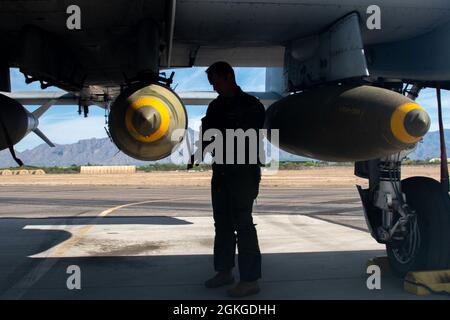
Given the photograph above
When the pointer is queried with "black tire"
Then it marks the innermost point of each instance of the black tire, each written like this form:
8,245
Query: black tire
432,205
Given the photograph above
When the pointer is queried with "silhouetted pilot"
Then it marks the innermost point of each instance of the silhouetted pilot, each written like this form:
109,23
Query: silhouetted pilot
234,187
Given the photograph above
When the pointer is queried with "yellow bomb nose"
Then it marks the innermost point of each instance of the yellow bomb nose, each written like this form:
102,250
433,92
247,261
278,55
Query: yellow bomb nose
410,122
147,119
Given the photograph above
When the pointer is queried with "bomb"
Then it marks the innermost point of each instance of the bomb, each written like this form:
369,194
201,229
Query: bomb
143,119
347,123
16,122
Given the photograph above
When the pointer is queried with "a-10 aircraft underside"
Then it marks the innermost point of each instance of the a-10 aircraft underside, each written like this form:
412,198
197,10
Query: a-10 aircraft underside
246,33
340,87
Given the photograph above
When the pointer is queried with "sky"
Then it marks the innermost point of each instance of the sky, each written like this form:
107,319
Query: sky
63,125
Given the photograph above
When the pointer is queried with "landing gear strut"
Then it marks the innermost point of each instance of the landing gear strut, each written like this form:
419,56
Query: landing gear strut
411,217
427,240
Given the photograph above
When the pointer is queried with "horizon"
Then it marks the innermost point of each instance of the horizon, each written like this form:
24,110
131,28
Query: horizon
106,137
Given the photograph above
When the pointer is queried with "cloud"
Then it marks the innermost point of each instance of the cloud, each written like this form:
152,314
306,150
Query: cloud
251,79
191,80
428,100
194,79
195,123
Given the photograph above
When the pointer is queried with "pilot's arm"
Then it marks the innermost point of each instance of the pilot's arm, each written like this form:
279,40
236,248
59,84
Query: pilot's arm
254,116
207,122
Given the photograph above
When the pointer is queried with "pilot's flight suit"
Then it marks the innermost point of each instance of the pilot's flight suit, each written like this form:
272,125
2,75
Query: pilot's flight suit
234,187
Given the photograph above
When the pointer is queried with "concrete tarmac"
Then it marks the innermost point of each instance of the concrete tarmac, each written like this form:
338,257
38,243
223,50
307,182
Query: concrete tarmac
135,242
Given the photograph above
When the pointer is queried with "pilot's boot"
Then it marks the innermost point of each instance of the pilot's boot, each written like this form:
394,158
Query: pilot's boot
222,278
244,289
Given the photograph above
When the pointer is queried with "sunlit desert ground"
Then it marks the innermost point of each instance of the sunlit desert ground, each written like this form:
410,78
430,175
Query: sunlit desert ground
308,177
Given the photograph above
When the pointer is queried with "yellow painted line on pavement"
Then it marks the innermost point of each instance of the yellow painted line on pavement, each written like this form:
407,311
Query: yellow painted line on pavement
53,255
80,233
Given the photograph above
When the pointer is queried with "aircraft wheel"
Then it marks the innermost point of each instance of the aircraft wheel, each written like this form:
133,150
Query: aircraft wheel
427,245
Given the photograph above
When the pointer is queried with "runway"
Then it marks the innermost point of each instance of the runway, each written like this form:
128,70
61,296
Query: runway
156,243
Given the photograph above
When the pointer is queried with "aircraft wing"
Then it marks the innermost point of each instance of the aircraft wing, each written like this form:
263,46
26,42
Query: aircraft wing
41,97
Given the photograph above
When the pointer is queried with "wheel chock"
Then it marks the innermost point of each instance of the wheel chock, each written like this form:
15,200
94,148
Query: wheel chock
381,262
423,283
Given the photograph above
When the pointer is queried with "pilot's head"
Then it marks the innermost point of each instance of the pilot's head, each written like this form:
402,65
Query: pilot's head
221,77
